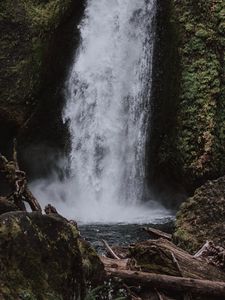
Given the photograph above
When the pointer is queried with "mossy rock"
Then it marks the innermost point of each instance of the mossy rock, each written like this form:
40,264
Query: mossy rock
28,29
92,267
41,258
202,217
194,142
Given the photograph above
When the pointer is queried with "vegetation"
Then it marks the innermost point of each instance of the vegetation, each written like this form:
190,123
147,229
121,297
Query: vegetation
201,217
42,256
196,143
26,29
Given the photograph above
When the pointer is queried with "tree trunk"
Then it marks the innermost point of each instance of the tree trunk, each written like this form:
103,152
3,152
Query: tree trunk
163,257
171,283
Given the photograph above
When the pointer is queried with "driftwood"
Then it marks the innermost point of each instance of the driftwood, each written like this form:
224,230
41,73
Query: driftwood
161,266
159,295
163,257
187,295
215,255
121,251
171,283
155,233
18,182
109,250
177,264
118,268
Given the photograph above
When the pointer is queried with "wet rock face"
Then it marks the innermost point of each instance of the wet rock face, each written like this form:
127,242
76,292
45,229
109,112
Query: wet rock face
193,144
202,217
40,258
28,31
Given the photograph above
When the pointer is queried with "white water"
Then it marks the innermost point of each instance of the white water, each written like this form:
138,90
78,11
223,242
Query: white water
107,96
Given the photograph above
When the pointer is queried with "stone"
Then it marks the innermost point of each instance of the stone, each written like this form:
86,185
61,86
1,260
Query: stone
40,258
202,217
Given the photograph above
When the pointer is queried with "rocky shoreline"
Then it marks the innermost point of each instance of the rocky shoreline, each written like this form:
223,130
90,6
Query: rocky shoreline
43,256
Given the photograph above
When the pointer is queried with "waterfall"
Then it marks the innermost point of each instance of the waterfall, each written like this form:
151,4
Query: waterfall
108,109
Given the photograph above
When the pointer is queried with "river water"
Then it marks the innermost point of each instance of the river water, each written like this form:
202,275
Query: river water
121,234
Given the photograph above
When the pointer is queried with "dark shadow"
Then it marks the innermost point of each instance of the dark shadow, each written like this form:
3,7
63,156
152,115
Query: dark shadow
163,179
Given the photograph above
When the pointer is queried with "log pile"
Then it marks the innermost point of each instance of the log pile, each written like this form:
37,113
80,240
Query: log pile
159,267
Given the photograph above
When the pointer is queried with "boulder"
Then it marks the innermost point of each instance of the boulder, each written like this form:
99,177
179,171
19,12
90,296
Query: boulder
202,217
40,258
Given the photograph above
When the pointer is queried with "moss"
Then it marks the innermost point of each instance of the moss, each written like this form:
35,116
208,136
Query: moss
150,261
26,28
42,258
194,142
93,268
201,217
32,248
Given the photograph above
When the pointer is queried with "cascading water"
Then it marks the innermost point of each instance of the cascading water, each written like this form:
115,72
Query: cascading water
107,109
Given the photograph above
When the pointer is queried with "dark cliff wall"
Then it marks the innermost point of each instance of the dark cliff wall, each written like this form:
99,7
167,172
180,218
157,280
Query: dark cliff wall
163,178
190,118
37,38
187,140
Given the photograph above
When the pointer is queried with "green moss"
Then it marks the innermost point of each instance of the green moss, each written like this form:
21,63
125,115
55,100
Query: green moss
26,28
40,258
93,268
201,217
195,143
154,262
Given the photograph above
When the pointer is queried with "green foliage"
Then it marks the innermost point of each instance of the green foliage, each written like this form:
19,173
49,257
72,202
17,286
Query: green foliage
111,289
202,217
26,28
45,16
196,144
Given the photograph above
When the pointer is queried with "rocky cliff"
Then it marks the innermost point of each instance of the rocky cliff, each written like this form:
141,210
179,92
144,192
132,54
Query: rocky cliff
192,142
36,43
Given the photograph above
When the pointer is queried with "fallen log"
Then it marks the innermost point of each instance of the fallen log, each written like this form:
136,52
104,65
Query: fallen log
110,251
186,296
163,257
121,264
159,295
155,233
213,254
121,251
171,283
177,264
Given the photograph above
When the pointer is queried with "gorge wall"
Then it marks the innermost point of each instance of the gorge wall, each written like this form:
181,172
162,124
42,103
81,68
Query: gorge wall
37,43
192,141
